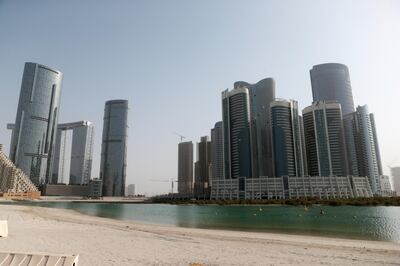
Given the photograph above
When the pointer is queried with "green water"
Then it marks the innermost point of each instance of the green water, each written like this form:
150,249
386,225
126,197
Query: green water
377,223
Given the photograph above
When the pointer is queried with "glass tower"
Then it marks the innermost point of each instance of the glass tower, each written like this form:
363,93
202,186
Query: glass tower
237,133
32,142
324,138
217,156
185,167
331,82
261,94
286,138
113,148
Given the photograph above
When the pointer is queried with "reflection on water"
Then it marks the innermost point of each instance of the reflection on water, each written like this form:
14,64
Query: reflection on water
379,223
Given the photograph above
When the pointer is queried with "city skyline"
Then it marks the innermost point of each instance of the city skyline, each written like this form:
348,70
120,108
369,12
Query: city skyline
372,72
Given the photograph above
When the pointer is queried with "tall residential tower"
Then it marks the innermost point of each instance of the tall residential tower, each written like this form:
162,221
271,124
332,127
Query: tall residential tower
185,168
238,156
32,143
331,82
113,148
324,138
286,138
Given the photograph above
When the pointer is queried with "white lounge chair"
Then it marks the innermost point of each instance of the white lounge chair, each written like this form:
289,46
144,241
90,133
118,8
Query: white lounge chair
21,259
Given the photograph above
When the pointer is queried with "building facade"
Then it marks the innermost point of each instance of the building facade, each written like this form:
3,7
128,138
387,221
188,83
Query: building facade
73,153
261,94
395,171
238,156
130,190
366,151
331,82
113,148
32,142
324,138
286,138
185,168
202,168
217,152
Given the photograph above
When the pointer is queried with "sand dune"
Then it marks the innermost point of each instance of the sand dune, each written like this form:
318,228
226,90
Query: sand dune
102,241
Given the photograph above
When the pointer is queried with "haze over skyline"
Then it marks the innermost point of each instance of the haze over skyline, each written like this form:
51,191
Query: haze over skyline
172,60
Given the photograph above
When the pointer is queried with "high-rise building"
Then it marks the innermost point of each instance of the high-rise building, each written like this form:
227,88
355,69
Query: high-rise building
185,168
376,143
286,138
324,138
217,151
331,82
202,175
32,143
113,148
365,139
73,153
396,179
238,154
261,94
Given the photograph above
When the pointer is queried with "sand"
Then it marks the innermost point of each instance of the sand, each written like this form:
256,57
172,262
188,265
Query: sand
102,241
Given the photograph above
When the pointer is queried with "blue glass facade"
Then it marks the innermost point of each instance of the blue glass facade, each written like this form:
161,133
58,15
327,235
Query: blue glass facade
32,143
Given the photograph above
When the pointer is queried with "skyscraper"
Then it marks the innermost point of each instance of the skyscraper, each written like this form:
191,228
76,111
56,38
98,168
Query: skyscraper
78,170
376,143
324,137
202,175
32,143
217,151
113,148
261,94
185,168
237,133
396,179
331,82
366,150
286,138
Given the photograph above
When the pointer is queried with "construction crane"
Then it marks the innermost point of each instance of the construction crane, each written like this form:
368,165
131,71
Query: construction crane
180,136
165,180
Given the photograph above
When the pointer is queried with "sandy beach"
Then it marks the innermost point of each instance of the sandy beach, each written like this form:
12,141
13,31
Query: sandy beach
102,241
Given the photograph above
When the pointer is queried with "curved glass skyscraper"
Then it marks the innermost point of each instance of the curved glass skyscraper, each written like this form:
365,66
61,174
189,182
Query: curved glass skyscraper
113,148
32,143
331,81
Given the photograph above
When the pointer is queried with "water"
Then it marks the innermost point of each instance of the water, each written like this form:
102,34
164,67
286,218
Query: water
375,223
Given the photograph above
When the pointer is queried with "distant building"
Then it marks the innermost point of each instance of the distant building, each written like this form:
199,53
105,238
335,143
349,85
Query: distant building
331,82
286,138
185,168
113,148
261,94
130,190
202,168
324,138
74,168
32,143
217,151
396,179
238,154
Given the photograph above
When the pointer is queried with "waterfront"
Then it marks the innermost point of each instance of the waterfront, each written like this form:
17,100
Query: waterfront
373,223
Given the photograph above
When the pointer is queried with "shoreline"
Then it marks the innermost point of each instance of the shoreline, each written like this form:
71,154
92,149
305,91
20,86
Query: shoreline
105,241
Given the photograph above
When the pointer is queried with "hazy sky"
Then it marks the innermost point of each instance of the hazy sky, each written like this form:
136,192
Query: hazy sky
172,59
